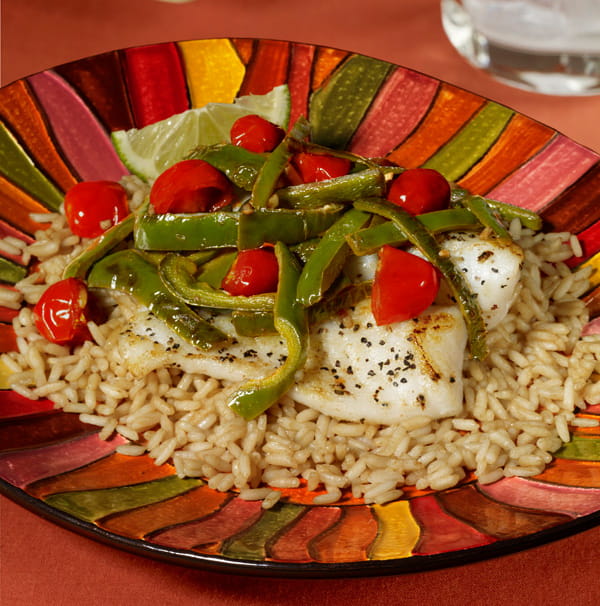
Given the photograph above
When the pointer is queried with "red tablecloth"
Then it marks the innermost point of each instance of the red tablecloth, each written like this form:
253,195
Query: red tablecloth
41,563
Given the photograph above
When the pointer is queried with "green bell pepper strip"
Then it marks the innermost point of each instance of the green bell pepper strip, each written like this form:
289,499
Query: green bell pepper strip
186,231
178,275
371,239
418,235
257,323
246,229
479,207
290,226
256,396
239,165
213,271
366,183
508,212
275,164
103,244
326,262
131,272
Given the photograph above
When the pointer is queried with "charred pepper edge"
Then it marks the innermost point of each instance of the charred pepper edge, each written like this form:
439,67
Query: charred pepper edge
418,235
257,395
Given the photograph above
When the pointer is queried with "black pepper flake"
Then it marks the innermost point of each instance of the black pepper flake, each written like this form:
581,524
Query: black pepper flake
350,370
371,373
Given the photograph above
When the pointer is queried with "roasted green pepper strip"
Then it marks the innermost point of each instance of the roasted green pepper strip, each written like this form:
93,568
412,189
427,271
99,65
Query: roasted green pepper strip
239,165
256,396
326,262
276,161
255,324
289,226
186,231
131,272
212,272
99,247
371,239
508,212
418,235
479,207
178,275
363,184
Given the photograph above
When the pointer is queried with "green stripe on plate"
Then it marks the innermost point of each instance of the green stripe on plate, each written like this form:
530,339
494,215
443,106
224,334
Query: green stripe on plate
462,151
91,505
580,449
251,545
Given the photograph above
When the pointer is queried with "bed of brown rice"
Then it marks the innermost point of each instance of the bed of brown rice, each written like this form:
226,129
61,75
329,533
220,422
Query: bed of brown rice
519,403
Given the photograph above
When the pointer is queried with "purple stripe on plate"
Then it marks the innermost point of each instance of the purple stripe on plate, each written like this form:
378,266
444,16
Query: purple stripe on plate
78,132
26,466
546,175
523,492
401,103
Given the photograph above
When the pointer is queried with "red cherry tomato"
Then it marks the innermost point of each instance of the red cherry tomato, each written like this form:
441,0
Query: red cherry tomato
190,186
254,271
62,313
91,207
319,167
256,134
420,190
404,286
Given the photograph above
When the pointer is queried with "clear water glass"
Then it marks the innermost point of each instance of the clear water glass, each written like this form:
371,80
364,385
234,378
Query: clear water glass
548,46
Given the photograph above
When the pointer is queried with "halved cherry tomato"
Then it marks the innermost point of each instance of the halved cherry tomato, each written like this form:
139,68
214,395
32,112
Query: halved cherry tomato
254,271
190,186
404,286
256,134
62,313
319,167
91,207
420,190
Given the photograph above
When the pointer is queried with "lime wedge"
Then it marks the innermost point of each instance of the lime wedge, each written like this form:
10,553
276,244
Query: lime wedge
148,151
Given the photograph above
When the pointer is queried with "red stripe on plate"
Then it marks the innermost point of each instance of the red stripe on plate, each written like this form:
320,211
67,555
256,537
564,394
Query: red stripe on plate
299,79
441,532
24,467
78,132
156,82
400,105
13,405
546,175
523,492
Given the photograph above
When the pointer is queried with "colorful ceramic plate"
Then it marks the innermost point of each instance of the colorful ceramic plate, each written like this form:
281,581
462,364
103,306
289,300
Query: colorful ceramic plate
55,131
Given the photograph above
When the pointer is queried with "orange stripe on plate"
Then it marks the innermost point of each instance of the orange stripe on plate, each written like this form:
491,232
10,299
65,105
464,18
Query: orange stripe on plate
244,48
16,207
451,109
23,115
193,505
521,139
570,472
327,59
115,470
350,539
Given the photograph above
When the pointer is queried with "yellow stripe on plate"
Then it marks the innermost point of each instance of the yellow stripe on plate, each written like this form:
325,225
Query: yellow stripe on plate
214,71
5,372
398,531
595,263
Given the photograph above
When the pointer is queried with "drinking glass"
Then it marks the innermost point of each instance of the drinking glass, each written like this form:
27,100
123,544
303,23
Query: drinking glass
549,46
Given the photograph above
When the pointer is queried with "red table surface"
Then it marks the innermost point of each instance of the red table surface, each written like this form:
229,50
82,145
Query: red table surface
41,563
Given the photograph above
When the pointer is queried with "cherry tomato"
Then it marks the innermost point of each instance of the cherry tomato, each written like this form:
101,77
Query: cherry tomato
404,286
254,271
420,190
62,313
256,134
319,167
190,186
91,207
